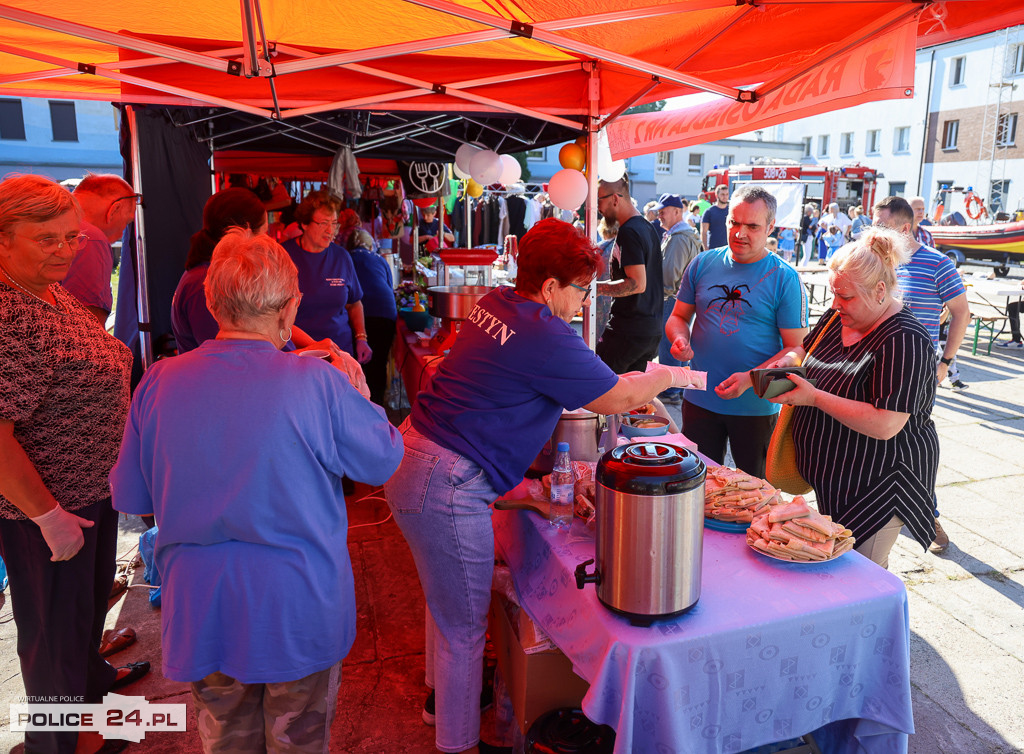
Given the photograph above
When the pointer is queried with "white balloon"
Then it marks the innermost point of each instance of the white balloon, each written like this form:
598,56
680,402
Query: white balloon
485,167
611,171
568,189
460,172
608,169
464,155
511,170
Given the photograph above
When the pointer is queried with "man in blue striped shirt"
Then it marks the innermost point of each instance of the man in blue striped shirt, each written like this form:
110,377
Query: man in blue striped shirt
927,282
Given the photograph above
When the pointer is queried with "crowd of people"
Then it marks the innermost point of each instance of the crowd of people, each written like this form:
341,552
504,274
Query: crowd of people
239,448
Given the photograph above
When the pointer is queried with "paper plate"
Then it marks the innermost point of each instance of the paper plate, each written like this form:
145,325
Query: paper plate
795,562
733,527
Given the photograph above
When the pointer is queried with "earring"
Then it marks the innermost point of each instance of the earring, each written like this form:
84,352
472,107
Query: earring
285,334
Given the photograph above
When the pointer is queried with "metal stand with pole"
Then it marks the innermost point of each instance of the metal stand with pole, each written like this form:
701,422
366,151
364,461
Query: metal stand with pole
141,270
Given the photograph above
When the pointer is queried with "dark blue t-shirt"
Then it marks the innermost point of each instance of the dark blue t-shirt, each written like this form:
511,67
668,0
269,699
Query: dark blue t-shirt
715,217
329,283
497,396
375,279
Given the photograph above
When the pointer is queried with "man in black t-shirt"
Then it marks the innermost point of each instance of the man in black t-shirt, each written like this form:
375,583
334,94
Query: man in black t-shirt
634,330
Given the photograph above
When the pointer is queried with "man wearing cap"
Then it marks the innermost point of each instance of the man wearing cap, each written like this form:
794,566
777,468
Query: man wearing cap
634,330
679,246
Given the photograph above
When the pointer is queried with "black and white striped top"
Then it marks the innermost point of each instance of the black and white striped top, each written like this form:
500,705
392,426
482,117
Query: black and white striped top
860,481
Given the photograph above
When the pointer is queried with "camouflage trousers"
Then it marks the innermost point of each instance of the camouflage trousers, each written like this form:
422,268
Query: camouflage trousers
293,717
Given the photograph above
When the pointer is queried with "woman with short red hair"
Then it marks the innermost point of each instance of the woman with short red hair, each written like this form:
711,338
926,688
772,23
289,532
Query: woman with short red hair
472,434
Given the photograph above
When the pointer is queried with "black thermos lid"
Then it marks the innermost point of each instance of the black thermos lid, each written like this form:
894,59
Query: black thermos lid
650,468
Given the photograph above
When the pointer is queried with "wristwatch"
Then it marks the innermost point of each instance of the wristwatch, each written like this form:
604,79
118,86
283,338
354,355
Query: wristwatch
946,361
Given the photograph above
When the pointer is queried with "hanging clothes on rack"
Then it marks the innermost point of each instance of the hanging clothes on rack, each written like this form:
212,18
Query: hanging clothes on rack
344,174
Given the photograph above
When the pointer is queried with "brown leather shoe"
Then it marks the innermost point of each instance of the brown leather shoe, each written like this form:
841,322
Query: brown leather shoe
941,541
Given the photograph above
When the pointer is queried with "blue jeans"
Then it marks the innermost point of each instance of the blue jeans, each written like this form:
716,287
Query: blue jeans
665,347
441,502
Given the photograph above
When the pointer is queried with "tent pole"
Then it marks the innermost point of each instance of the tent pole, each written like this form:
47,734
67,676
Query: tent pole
590,310
141,272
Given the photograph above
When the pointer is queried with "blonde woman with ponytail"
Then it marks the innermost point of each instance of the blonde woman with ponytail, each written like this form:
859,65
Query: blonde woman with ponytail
863,431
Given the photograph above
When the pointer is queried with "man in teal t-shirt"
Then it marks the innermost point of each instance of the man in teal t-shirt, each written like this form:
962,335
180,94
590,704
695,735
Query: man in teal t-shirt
738,307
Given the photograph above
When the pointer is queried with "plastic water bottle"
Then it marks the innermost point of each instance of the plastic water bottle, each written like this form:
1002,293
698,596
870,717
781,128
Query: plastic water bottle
562,481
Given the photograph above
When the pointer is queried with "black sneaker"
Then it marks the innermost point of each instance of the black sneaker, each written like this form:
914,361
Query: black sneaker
486,702
959,385
486,748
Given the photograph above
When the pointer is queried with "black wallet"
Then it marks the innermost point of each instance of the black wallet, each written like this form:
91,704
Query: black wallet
769,383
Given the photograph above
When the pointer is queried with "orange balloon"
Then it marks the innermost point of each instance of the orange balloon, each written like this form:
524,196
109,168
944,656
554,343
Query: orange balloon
581,142
572,157
473,188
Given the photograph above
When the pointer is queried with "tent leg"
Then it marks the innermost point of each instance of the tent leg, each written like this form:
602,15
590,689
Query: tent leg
590,221
145,333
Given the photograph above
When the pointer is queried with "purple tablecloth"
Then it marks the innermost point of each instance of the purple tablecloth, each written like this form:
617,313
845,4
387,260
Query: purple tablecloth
771,651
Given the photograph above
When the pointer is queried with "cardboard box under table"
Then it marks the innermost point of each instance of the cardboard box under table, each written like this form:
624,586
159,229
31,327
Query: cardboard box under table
538,677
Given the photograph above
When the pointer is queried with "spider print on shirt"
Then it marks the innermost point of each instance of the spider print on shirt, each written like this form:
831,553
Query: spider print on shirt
732,295
728,303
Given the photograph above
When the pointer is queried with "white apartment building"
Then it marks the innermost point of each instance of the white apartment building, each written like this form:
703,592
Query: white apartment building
960,129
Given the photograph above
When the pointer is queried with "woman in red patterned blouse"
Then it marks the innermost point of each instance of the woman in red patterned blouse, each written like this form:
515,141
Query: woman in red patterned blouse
64,385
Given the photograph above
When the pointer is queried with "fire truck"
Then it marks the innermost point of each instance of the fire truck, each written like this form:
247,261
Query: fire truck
849,185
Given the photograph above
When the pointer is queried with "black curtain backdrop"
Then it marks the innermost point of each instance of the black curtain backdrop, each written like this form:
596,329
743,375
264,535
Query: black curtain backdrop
176,183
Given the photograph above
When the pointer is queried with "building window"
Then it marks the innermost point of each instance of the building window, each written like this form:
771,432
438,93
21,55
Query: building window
807,145
901,144
62,119
823,145
950,131
957,68
12,120
1016,60
897,188
535,154
846,144
1006,130
696,166
727,160
998,195
874,141
663,163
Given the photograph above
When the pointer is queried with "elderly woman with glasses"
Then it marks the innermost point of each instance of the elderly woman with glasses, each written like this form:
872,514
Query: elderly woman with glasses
239,451
63,401
332,297
472,434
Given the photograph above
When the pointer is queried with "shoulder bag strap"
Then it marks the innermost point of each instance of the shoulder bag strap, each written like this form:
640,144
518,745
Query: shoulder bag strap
821,333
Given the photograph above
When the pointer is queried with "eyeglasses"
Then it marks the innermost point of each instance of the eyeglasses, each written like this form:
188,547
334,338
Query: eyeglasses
602,198
135,198
326,223
51,244
586,291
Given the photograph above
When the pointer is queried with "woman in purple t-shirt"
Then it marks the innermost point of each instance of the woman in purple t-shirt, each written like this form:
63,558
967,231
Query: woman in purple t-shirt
472,434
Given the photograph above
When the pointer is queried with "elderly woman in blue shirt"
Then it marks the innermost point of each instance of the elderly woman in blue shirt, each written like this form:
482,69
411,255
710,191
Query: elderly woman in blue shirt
239,450
472,434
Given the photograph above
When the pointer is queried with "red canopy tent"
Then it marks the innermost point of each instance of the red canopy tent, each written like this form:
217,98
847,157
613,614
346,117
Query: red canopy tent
561,66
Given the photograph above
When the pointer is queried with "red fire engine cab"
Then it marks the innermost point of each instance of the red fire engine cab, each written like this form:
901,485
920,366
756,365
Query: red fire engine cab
849,185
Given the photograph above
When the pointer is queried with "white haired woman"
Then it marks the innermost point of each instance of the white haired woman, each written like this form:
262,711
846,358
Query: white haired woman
863,434
239,450
63,402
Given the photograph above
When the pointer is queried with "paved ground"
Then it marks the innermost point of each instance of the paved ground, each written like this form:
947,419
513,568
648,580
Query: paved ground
967,621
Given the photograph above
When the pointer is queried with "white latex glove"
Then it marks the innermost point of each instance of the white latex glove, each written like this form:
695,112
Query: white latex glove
345,363
683,377
62,532
363,351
